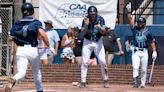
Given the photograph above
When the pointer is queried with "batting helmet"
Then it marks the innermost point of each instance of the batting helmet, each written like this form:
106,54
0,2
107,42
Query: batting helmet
92,10
27,9
141,20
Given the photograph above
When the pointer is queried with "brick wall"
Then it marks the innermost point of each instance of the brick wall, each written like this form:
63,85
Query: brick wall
118,74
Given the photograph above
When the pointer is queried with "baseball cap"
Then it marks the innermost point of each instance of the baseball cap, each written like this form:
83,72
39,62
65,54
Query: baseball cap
49,22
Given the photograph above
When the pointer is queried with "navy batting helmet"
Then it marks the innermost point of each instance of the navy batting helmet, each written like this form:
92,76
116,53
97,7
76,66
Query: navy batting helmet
141,20
92,10
27,9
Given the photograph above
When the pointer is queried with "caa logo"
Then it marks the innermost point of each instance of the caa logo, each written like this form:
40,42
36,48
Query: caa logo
67,12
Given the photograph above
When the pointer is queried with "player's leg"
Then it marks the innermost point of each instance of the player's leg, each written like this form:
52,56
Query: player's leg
37,74
86,52
21,64
35,62
100,54
144,63
136,64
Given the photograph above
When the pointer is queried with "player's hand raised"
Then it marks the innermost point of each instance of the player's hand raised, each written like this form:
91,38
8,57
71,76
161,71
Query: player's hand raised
129,7
86,20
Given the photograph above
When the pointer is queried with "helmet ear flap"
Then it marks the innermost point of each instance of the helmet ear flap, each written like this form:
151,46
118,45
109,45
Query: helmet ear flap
27,9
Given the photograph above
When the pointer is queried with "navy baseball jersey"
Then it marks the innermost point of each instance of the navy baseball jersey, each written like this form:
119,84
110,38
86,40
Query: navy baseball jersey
142,38
92,33
25,31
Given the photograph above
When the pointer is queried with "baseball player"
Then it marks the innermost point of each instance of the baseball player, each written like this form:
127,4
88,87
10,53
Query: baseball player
25,33
142,38
93,26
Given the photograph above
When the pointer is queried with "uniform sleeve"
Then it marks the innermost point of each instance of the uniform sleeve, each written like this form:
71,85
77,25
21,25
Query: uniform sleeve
133,28
38,24
102,21
11,33
14,28
150,38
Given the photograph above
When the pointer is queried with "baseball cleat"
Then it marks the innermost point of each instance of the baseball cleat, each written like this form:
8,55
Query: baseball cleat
10,85
135,82
105,84
82,85
142,87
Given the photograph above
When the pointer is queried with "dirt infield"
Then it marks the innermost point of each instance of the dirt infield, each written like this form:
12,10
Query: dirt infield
68,87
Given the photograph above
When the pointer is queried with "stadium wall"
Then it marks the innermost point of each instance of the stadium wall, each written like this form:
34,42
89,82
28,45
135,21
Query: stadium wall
123,31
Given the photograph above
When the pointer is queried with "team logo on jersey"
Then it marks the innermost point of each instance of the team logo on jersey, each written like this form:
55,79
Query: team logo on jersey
141,39
25,27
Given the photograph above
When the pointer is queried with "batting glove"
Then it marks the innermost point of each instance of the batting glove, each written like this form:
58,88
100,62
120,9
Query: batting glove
121,52
154,55
129,7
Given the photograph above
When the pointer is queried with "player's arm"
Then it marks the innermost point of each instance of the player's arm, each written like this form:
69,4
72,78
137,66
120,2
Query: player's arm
151,41
153,46
101,25
43,36
10,39
131,19
11,33
85,25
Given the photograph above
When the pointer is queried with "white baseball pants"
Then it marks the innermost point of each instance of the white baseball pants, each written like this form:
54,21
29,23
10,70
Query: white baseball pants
88,48
26,55
137,58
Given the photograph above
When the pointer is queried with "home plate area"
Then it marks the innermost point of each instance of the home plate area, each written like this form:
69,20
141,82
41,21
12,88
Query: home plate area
68,87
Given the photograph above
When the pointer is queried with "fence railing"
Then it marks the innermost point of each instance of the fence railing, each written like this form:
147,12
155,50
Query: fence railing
6,2
6,15
5,62
146,8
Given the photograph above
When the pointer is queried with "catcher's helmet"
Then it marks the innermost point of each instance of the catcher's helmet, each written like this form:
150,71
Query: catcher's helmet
27,9
92,10
141,20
